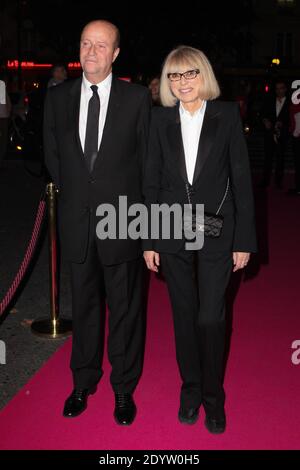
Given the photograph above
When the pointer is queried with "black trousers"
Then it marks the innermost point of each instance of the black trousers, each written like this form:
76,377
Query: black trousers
197,283
273,151
121,286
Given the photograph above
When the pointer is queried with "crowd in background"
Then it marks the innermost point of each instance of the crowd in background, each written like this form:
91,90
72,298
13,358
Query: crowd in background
270,110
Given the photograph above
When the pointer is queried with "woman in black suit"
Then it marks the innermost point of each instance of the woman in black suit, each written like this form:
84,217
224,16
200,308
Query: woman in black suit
197,143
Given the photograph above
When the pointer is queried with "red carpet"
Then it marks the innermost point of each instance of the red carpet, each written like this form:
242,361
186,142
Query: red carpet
262,384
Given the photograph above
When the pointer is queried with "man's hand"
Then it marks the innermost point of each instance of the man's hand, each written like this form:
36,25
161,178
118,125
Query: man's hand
240,260
152,260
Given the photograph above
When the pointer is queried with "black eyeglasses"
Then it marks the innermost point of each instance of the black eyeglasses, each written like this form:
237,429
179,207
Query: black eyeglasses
188,75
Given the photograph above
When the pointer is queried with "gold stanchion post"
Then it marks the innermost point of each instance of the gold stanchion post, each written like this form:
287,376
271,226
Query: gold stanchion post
53,327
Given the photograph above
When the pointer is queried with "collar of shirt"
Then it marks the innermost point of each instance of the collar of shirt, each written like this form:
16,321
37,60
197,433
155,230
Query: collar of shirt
86,93
103,87
281,100
185,114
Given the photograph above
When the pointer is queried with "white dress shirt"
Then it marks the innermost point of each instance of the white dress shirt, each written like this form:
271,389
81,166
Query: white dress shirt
191,125
104,88
279,105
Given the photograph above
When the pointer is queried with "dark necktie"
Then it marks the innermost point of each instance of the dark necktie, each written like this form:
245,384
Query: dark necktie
92,125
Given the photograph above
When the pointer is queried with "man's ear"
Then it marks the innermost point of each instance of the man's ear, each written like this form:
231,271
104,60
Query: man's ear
116,53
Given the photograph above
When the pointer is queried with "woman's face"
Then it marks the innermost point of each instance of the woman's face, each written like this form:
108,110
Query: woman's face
187,90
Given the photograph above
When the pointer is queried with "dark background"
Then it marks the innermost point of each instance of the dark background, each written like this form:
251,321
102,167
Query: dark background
148,29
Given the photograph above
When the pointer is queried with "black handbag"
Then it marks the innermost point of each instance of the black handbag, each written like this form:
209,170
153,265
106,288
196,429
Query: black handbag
213,223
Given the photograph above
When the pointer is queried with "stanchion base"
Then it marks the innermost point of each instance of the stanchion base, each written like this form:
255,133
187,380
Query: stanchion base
52,329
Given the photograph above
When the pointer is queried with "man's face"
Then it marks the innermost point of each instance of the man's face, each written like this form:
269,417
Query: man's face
97,50
59,74
280,90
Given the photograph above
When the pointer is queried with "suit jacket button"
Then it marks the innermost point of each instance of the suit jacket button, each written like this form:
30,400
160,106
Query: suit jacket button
92,180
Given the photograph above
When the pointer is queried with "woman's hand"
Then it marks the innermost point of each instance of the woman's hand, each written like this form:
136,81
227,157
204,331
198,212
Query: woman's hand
240,260
152,260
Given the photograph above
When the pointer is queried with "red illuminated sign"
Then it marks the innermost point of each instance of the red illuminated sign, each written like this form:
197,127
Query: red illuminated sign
14,64
126,79
74,65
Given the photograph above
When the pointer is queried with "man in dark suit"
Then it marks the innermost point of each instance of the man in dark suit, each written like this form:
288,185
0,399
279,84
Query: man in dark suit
95,135
275,117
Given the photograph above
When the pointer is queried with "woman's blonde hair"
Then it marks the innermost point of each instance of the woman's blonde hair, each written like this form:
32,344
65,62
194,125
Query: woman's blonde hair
190,57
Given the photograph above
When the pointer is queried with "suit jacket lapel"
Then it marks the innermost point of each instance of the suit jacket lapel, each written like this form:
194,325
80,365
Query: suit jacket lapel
74,110
283,109
207,137
176,142
73,115
109,126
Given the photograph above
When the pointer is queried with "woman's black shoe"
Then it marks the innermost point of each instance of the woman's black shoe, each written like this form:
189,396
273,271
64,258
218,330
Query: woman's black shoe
188,415
215,425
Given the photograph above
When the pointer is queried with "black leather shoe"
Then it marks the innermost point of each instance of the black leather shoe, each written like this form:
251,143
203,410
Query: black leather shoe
76,403
188,415
125,409
215,425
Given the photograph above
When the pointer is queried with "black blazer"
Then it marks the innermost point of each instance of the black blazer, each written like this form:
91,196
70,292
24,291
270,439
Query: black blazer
117,169
222,152
269,112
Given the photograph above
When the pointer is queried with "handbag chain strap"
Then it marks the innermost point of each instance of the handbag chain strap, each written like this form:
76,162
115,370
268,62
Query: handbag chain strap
224,197
222,202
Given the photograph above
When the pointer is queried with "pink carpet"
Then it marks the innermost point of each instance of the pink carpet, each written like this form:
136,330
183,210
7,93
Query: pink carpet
262,384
